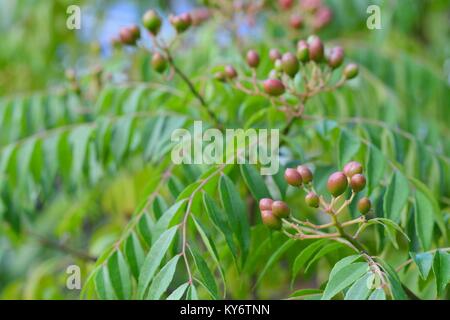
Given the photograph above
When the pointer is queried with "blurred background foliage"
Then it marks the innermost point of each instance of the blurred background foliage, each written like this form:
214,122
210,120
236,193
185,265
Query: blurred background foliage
47,213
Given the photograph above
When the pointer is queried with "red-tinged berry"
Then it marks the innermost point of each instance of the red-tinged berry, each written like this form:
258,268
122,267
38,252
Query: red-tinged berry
181,22
302,51
312,200
129,35
364,205
274,54
337,183
159,63
220,76
296,21
322,17
316,50
265,204
230,72
273,87
352,168
290,64
292,177
152,21
306,174
280,209
351,71
358,182
200,15
286,4
310,5
270,221
252,59
336,57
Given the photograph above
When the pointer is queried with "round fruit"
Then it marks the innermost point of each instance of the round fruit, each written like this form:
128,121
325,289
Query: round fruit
220,76
274,54
129,35
351,71
312,200
337,183
152,21
273,87
270,220
280,209
336,57
296,21
290,64
286,4
315,48
306,174
252,58
364,205
358,182
302,51
159,63
292,177
230,72
265,204
352,168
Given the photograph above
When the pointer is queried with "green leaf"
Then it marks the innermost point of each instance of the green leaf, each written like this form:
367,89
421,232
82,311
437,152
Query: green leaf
103,285
165,221
178,293
424,220
192,293
322,252
274,258
395,284
343,263
396,196
360,290
376,164
441,269
119,273
218,218
305,255
206,274
134,253
255,182
121,137
162,280
305,292
378,294
424,262
344,278
153,260
235,209
79,139
390,227
348,146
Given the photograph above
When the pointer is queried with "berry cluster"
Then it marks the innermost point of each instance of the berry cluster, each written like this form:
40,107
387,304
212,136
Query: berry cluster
275,213
311,62
306,13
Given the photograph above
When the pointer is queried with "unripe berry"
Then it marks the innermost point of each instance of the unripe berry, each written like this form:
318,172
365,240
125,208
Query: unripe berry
265,204
252,58
230,72
152,21
337,183
280,209
322,17
270,220
273,87
286,4
181,22
274,54
358,182
352,168
292,177
315,48
220,76
312,200
306,174
296,21
159,63
351,71
290,64
336,57
279,65
302,51
364,205
129,35
274,74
